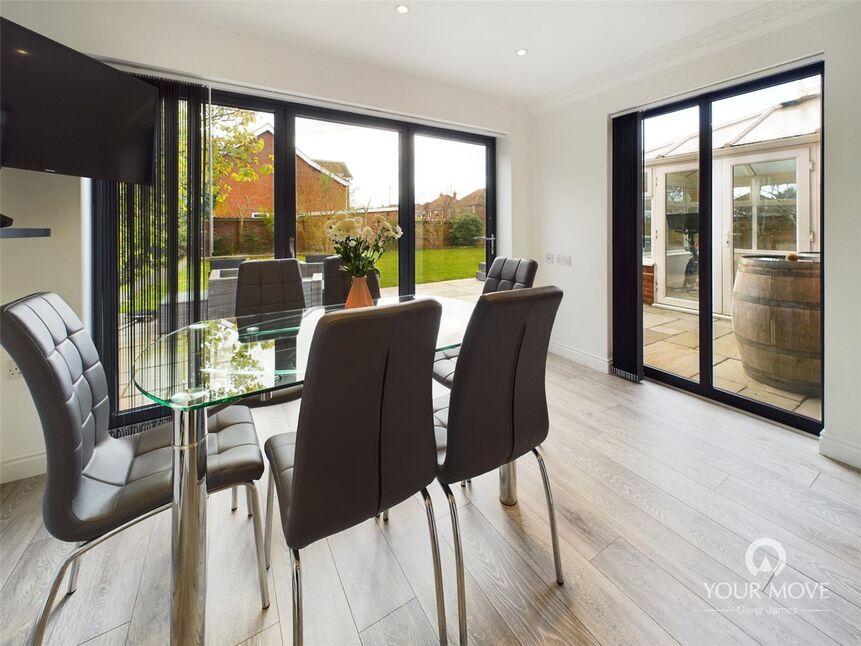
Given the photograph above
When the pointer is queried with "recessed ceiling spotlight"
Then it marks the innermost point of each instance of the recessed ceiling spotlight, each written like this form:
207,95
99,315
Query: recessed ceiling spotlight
402,8
522,52
23,52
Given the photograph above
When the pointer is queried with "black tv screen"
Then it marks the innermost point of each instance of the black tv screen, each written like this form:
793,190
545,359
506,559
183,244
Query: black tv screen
64,112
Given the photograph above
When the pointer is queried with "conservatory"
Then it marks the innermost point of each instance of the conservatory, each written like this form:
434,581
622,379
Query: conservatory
765,188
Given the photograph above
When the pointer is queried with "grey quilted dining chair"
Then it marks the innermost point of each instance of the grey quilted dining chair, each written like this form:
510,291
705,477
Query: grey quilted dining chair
497,409
98,486
365,438
505,274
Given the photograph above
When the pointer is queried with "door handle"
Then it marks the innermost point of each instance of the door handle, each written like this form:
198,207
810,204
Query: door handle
492,240
291,243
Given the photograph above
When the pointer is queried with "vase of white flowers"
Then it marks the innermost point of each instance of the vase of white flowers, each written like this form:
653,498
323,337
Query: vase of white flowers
360,246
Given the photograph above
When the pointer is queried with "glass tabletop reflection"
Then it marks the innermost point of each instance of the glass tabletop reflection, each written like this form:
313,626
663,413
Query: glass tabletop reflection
223,360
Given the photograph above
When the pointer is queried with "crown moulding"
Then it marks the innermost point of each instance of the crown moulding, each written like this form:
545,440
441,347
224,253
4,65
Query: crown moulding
767,18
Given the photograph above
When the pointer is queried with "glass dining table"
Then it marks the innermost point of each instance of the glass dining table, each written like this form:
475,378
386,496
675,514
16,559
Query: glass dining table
218,362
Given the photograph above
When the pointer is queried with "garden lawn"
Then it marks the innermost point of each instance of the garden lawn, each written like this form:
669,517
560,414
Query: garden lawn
434,265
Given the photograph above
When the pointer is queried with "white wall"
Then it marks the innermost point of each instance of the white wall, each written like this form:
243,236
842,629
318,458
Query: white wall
570,191
30,265
153,34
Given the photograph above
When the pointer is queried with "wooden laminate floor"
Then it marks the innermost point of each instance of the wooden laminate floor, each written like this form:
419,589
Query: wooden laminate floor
659,496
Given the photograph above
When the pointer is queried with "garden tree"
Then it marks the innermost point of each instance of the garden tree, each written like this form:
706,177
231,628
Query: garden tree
235,150
236,154
466,227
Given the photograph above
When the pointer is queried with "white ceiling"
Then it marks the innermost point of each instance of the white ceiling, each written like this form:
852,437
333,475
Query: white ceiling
472,44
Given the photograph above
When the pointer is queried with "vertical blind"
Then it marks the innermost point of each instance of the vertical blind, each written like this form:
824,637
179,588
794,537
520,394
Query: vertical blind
147,247
627,196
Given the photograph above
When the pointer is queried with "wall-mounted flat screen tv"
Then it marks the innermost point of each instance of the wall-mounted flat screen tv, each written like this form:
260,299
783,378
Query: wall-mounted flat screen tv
64,112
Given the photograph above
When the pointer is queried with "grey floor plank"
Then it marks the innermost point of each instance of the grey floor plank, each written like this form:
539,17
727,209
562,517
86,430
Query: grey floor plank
640,577
269,637
107,588
24,592
606,612
370,573
20,517
837,541
818,605
115,637
849,491
688,564
524,599
807,557
406,625
408,536
325,611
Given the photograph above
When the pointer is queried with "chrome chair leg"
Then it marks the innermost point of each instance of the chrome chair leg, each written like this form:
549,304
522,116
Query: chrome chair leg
386,515
437,568
296,567
458,561
38,634
253,499
248,504
551,511
270,504
73,576
234,498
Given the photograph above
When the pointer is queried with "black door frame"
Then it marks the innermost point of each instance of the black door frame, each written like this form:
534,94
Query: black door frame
287,112
705,387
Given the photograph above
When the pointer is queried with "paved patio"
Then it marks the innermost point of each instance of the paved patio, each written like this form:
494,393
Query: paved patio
671,343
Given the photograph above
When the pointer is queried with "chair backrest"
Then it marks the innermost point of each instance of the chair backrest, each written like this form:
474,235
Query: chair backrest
498,405
266,286
61,367
365,438
510,273
337,283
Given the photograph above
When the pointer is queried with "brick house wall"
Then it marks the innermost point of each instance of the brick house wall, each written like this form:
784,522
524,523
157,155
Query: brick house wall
648,284
315,190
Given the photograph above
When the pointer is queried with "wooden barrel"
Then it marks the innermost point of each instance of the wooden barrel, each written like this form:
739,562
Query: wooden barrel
777,322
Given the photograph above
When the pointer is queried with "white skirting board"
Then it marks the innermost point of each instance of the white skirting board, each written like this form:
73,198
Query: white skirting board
595,362
22,466
840,450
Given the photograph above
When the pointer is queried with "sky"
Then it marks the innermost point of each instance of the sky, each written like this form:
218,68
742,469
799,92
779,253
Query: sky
371,154
669,127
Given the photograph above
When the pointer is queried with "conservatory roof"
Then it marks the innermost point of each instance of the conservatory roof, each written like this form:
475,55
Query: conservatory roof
793,118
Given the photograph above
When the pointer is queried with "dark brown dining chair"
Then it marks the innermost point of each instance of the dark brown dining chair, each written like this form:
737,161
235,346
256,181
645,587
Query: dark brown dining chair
497,408
337,283
505,274
98,486
365,437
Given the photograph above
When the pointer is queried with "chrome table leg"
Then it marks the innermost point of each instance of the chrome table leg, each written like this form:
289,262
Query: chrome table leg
188,529
508,484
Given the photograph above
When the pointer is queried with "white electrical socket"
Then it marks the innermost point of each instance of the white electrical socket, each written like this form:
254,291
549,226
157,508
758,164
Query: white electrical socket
548,258
565,261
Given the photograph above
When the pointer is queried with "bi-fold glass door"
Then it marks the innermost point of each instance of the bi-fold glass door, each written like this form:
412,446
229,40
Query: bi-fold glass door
732,246
281,171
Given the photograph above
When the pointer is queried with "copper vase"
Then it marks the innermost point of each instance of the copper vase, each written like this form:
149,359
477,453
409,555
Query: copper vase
360,295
